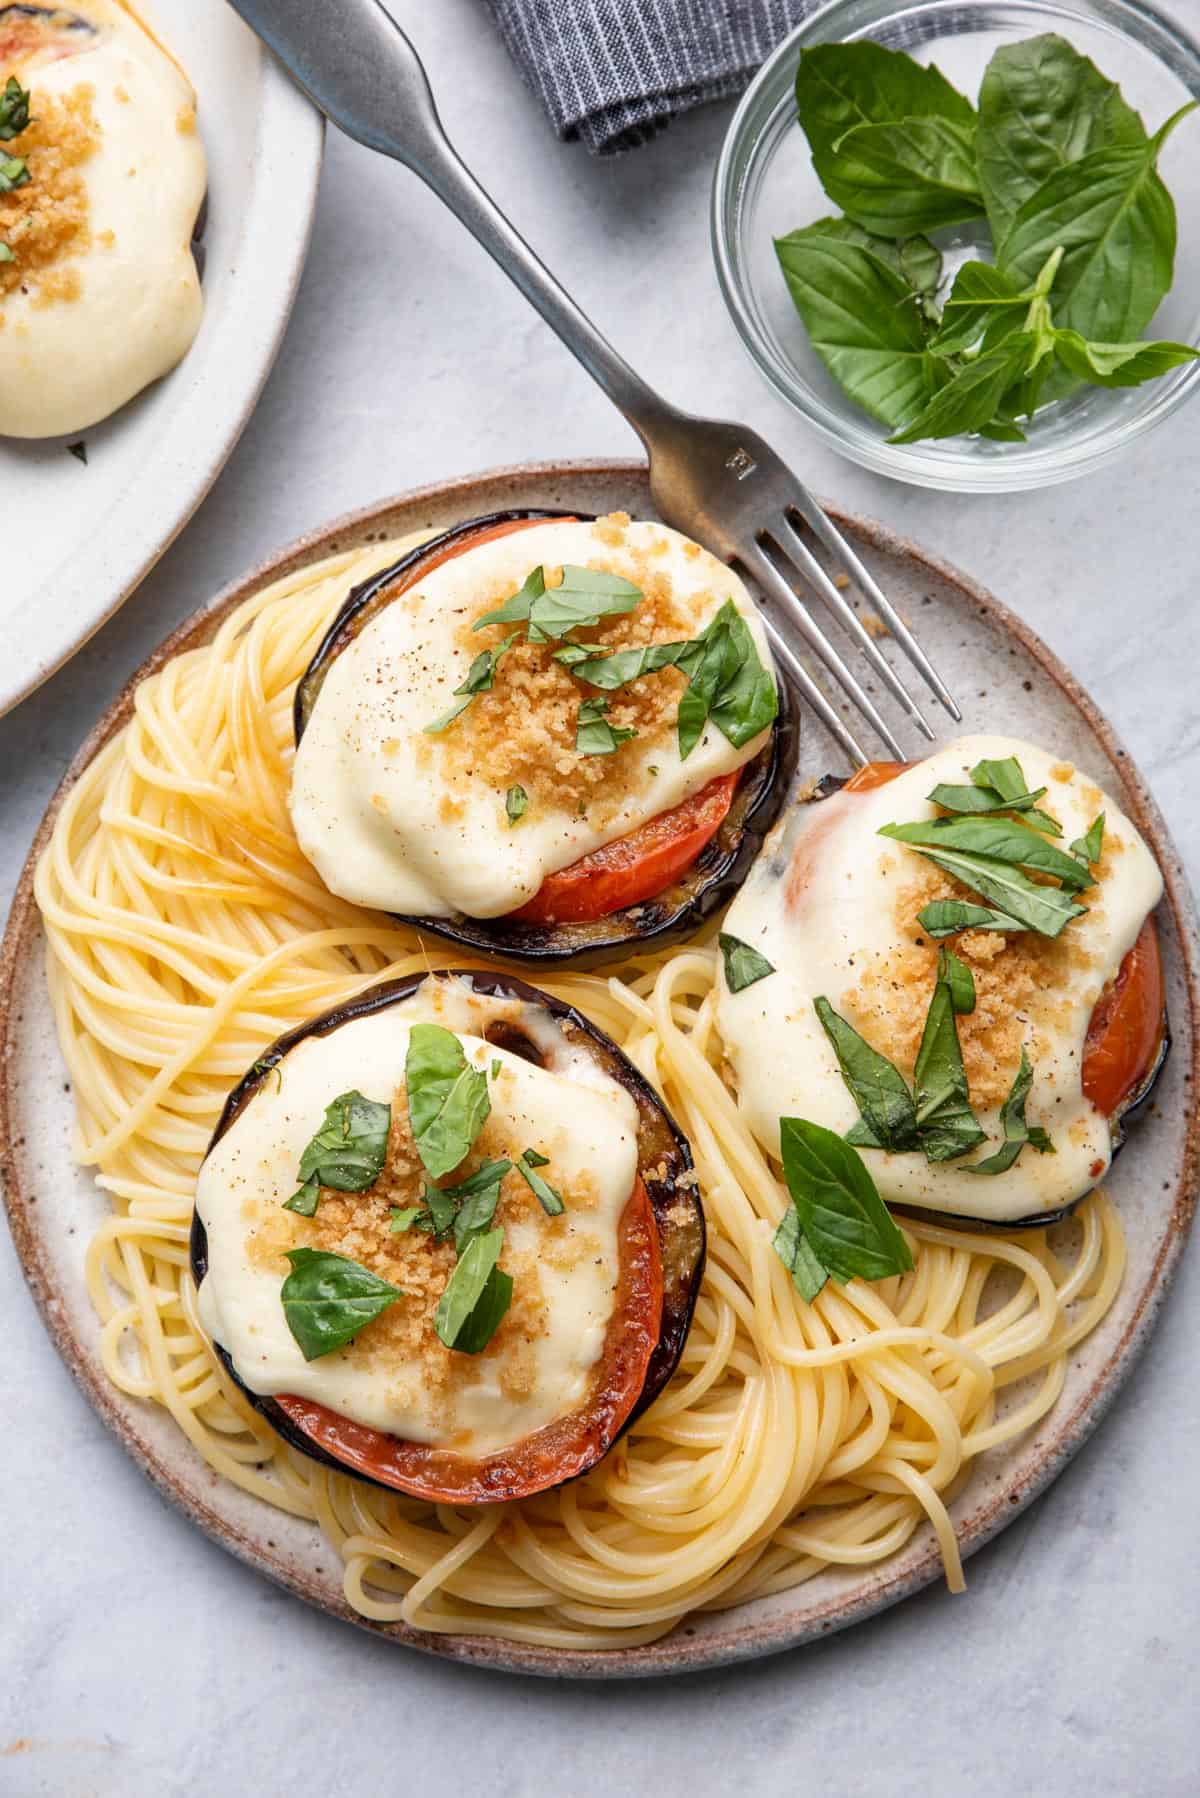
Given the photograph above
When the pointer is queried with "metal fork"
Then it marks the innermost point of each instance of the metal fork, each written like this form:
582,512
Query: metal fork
716,481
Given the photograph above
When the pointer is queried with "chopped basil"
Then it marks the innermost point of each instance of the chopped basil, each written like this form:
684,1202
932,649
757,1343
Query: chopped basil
548,1197
481,678
14,173
14,110
584,597
269,1064
346,1154
1046,909
943,917
439,1213
594,735
946,1124
79,451
477,1198
975,799
448,1099
1090,847
327,1299
727,683
743,964
797,1254
889,1118
1016,1131
6,255
494,1070
516,803
403,1218
960,980
623,665
846,1224
476,1297
1000,839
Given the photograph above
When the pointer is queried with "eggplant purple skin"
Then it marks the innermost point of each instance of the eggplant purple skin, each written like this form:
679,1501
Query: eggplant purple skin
1130,1111
680,910
673,1195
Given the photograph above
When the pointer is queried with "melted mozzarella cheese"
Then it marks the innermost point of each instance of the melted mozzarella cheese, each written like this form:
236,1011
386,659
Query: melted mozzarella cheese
585,1122
820,904
371,805
66,363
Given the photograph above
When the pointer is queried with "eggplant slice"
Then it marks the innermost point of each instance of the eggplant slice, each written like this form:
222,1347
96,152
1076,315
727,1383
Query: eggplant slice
679,911
664,1163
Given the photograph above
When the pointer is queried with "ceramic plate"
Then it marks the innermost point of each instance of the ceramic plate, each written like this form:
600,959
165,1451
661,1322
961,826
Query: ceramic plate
87,535
1009,682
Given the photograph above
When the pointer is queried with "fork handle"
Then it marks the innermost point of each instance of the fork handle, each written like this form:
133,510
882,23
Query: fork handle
360,69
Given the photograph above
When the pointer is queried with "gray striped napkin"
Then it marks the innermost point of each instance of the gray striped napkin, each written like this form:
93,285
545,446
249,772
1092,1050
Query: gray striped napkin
612,73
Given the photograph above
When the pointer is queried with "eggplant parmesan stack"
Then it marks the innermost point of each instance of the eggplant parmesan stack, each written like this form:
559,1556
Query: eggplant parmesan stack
955,965
446,1238
546,737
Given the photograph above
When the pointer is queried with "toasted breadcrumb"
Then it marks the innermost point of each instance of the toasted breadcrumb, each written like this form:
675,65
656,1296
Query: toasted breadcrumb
45,221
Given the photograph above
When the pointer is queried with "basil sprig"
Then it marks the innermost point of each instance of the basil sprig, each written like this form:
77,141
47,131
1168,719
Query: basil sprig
1083,234
346,1154
477,1295
481,678
743,963
448,1101
1016,1131
327,1299
14,110
847,1229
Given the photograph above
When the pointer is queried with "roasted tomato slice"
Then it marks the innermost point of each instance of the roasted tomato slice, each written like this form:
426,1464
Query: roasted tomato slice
660,1261
656,884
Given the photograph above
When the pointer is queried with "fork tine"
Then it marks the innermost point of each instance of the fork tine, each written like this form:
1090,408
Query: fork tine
836,726
764,571
862,577
798,551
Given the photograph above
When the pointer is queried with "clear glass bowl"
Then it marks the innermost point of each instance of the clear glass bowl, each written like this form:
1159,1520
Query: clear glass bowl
765,186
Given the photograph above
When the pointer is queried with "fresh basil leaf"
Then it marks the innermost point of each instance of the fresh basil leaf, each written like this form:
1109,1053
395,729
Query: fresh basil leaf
970,801
14,173
1089,848
1016,1131
727,683
863,319
516,610
1005,777
1119,364
898,179
1115,222
846,1223
743,964
476,1297
878,1089
944,917
970,398
495,1068
585,596
839,86
327,1299
403,1218
594,735
946,1125
983,303
14,110
1041,106
478,1198
1046,909
1002,430
6,254
304,1202
481,678
516,804
550,1200
959,979
439,1213
346,1154
1001,838
617,669
796,1252
447,1098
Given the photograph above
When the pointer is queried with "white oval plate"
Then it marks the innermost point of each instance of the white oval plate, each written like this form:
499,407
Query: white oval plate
82,537
1008,681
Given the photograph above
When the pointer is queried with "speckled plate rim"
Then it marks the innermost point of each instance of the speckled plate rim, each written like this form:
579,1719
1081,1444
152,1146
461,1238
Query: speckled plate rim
881,1587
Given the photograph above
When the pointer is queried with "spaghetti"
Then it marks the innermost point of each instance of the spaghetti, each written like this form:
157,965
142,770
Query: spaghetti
187,932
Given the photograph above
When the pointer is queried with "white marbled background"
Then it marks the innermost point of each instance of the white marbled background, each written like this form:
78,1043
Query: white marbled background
136,1658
